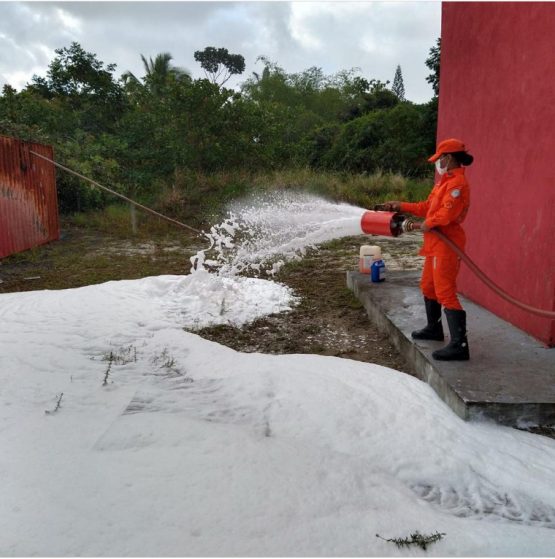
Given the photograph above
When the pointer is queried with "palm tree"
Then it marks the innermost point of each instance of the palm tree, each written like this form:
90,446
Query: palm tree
158,73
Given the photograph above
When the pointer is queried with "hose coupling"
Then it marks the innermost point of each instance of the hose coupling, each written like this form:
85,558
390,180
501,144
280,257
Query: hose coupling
410,225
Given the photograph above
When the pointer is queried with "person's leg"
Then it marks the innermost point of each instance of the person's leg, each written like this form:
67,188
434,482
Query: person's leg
445,282
445,273
433,329
427,279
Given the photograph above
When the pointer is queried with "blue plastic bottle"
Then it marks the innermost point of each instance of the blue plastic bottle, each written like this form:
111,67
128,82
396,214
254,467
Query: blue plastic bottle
377,271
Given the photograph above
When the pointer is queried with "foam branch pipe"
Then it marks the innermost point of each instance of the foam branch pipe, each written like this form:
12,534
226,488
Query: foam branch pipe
393,224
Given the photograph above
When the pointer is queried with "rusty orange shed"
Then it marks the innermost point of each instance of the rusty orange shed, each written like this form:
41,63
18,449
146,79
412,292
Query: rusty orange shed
28,199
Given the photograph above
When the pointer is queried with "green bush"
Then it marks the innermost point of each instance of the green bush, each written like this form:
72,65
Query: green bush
397,140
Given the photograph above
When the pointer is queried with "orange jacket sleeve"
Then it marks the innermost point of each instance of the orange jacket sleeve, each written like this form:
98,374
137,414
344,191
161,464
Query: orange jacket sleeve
450,208
419,209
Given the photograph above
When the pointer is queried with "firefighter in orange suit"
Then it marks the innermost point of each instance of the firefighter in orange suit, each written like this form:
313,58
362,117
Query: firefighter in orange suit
445,209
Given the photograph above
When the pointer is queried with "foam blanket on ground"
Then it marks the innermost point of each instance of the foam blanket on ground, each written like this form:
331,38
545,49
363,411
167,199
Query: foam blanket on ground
165,444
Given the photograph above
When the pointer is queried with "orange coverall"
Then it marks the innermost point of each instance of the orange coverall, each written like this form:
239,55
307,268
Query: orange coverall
445,208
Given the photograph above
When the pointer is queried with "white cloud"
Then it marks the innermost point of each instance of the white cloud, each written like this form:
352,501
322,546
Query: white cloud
375,36
301,28
70,22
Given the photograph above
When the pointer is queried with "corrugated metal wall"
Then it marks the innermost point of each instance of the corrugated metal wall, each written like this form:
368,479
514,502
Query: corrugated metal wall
28,200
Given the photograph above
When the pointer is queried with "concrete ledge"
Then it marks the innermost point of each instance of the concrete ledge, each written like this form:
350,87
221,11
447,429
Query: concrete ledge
510,377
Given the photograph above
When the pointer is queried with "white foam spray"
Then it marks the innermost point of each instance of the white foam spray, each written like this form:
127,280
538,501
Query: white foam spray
260,234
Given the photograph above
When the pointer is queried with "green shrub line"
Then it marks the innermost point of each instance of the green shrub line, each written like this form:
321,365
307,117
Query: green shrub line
201,199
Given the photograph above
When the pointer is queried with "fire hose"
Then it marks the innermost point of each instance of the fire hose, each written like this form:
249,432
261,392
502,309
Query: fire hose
393,224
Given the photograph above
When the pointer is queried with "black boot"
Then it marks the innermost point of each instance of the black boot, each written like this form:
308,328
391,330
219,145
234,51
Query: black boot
457,348
434,329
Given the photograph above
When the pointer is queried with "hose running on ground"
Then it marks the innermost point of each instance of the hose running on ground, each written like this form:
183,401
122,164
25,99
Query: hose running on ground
149,210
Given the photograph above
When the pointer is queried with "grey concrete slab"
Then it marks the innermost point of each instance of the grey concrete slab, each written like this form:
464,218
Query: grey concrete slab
510,377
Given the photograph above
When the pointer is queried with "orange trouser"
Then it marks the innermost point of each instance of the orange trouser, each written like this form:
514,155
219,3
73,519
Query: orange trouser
439,280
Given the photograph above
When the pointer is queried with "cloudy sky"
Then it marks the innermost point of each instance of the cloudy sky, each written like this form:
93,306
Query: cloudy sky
334,35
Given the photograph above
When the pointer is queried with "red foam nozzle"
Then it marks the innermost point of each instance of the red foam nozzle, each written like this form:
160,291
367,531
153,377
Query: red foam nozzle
387,224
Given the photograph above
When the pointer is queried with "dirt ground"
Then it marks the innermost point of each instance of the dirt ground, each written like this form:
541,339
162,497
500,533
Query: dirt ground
328,320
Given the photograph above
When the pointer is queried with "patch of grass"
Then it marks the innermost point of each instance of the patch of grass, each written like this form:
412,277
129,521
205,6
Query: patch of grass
115,219
420,540
31,256
417,190
362,190
165,361
122,356
346,298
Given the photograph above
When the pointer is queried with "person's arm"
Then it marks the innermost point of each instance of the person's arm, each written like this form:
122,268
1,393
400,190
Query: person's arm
419,209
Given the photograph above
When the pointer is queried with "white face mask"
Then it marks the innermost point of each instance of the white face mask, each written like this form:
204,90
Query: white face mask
441,170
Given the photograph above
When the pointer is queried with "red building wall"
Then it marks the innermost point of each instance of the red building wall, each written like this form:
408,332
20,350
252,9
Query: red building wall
497,94
28,198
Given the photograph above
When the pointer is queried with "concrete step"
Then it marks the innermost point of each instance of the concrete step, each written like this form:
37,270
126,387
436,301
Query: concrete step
510,377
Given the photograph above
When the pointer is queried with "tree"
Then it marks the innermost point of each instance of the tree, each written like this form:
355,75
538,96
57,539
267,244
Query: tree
398,86
379,97
75,72
23,117
433,64
354,87
220,64
81,86
158,73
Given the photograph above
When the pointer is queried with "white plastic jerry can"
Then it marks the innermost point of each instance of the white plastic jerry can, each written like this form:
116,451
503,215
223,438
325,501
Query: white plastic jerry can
368,253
